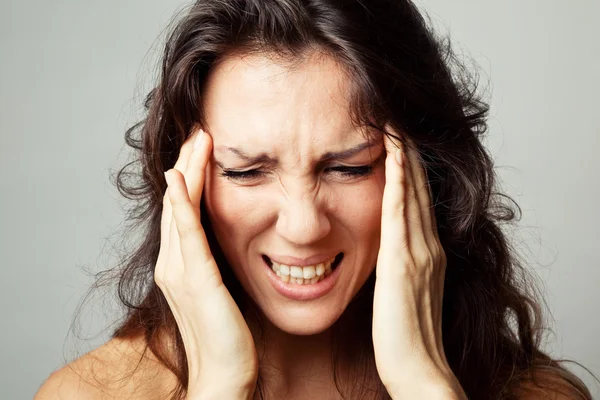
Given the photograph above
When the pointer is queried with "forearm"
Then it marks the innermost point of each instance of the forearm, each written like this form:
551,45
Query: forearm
220,388
221,392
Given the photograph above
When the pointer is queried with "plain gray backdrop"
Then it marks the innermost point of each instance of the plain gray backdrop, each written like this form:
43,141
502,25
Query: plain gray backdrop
72,78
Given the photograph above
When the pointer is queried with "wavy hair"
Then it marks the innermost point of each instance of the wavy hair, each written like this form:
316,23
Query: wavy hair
401,73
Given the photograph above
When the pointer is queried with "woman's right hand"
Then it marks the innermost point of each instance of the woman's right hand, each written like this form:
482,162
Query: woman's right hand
222,359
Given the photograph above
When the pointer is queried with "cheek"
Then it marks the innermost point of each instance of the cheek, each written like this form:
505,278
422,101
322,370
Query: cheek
235,218
358,207
227,207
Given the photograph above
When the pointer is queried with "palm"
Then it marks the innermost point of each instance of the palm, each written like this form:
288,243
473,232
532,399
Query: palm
218,343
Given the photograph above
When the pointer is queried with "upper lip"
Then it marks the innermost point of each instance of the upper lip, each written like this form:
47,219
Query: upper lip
303,262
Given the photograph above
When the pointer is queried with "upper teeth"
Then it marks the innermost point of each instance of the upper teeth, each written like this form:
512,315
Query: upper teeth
307,272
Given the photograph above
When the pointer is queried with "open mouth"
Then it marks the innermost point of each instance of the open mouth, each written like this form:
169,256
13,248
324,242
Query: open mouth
304,275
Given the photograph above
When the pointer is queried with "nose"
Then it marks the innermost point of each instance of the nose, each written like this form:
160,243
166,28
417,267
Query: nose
301,222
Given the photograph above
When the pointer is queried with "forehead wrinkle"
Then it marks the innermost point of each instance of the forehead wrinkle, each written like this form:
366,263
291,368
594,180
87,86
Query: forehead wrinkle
315,102
327,156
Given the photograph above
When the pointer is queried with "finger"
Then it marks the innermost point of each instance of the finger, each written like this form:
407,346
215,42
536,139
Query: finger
195,252
165,231
427,309
176,262
184,153
181,165
430,232
166,236
425,195
414,217
393,233
401,204
423,192
196,168
421,186
430,311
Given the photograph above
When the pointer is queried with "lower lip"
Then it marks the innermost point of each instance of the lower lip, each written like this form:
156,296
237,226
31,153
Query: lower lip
304,292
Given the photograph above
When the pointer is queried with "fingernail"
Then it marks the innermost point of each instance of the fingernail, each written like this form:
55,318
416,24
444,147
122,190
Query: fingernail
198,140
167,177
399,156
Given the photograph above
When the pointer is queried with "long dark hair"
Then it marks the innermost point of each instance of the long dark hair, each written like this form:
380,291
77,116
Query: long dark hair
404,75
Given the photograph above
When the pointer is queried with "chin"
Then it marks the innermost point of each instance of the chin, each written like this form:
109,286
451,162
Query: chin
302,320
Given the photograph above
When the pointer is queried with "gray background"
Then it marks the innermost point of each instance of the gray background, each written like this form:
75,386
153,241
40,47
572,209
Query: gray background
72,78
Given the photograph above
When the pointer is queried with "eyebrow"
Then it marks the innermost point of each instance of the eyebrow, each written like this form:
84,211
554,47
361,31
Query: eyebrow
328,156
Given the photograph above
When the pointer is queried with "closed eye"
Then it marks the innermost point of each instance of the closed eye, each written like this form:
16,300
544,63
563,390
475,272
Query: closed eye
241,175
344,171
341,170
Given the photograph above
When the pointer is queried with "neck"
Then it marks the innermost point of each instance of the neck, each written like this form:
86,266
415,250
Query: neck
293,366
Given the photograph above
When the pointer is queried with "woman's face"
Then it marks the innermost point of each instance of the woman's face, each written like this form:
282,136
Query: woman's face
315,192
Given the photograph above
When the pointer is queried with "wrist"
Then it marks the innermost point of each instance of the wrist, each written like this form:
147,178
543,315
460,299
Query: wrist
218,384
223,391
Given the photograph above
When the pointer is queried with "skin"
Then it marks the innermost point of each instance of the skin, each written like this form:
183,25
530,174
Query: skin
303,210
219,343
382,219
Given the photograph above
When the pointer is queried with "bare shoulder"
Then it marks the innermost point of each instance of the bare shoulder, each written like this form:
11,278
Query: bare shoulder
119,369
552,385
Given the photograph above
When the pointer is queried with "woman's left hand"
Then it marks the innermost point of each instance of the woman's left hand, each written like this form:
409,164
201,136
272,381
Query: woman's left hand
407,308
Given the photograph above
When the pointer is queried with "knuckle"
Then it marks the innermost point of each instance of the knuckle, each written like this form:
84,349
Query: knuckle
187,231
165,276
165,280
401,248
397,210
159,278
402,178
409,268
411,194
425,261
159,274
442,256
170,281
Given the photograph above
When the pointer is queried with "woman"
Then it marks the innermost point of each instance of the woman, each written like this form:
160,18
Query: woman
327,226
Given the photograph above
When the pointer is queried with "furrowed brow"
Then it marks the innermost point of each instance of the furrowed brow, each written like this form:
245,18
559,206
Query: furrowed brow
342,155
264,158
261,158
